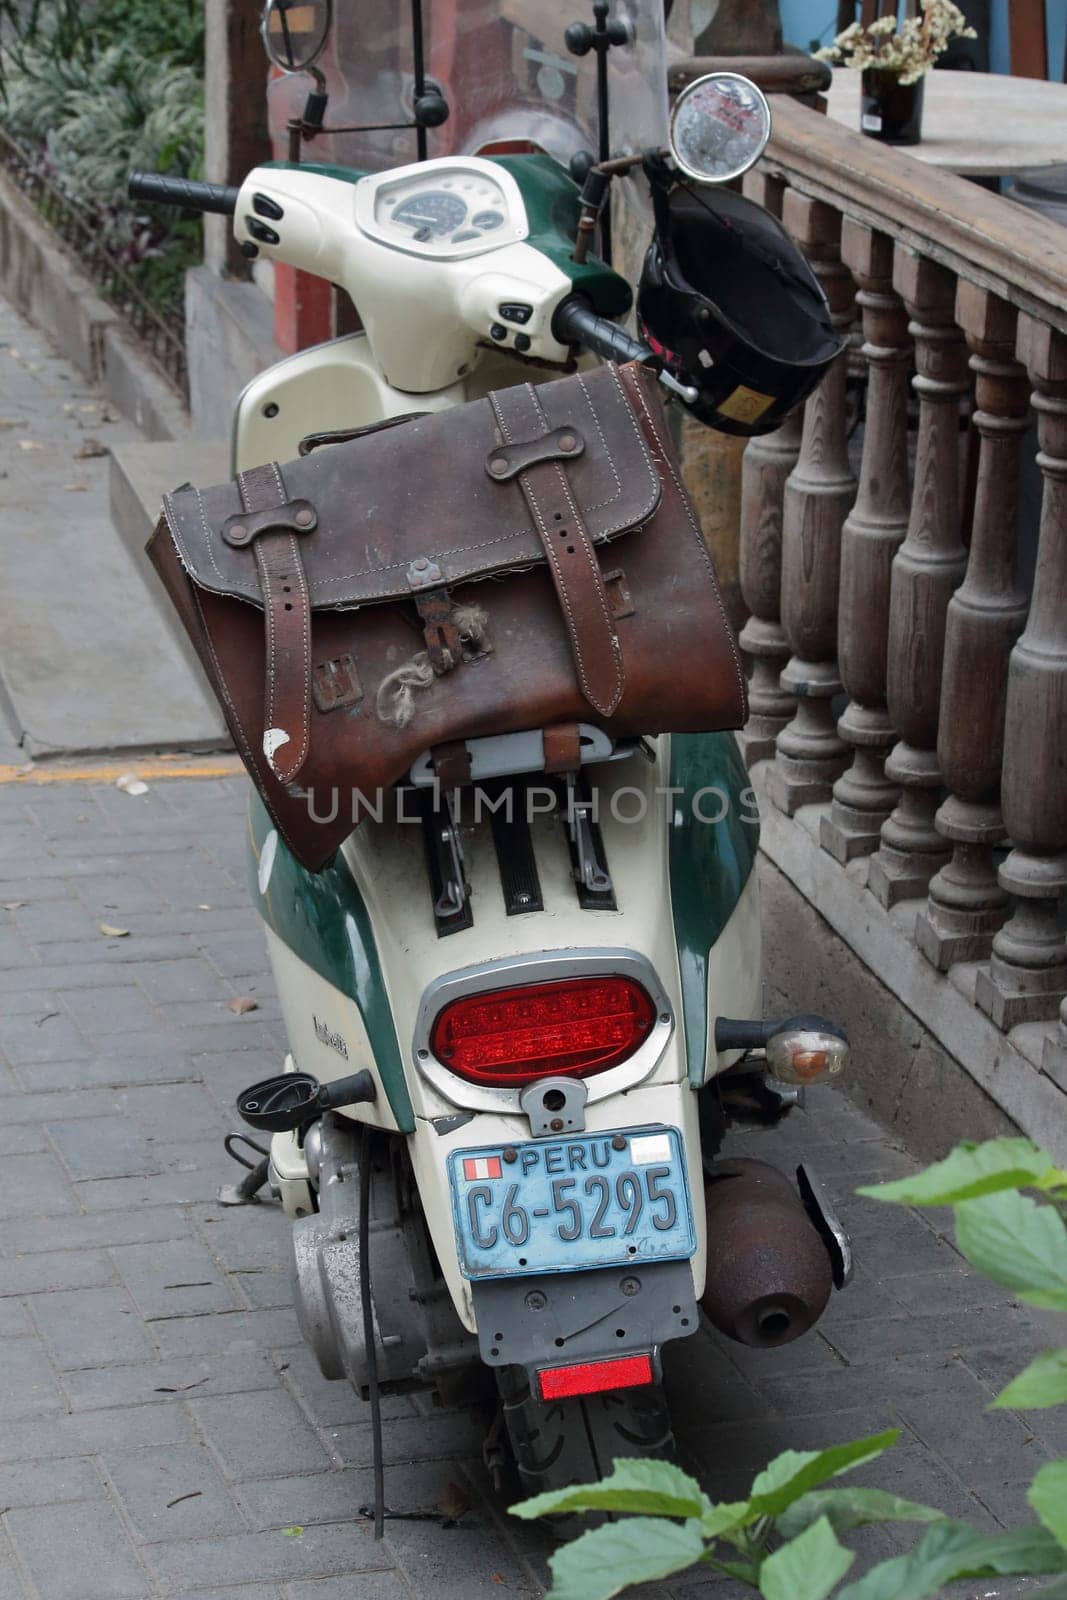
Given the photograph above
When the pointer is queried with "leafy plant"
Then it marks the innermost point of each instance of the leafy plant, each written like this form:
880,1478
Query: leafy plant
97,87
783,1540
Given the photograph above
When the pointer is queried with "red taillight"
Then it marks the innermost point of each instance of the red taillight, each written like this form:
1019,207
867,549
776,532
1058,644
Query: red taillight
592,1377
571,1028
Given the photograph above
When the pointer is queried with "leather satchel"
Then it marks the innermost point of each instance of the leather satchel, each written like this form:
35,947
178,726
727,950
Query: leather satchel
526,561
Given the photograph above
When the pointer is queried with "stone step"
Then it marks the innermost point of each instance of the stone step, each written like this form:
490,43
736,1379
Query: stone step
141,473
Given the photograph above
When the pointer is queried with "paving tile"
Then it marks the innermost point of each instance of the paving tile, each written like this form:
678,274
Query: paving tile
48,1036
114,1010
192,978
455,1563
50,1483
250,1440
34,1186
28,1385
174,1492
171,1113
14,1323
372,1586
337,1495
49,1234
77,1552
414,1439
101,1147
318,1551
172,1278
229,1333
91,1327
88,1433
160,1382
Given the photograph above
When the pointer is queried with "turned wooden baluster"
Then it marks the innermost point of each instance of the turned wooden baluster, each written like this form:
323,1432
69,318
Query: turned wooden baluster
1027,975
926,570
818,494
876,525
767,463
966,904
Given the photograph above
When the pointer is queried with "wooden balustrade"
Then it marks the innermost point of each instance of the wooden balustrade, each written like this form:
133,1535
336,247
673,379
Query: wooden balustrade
818,494
864,796
926,684
767,463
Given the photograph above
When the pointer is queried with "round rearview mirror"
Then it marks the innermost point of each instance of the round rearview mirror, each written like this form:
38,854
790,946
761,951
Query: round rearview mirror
720,125
295,32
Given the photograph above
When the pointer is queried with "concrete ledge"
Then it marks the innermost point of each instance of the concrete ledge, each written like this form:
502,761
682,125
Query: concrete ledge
140,474
229,330
926,1060
42,279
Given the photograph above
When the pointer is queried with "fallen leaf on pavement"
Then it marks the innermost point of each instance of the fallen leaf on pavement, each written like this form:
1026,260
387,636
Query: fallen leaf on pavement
30,444
12,422
203,908
75,488
88,449
114,933
13,905
452,1502
243,1003
292,1533
194,1494
130,783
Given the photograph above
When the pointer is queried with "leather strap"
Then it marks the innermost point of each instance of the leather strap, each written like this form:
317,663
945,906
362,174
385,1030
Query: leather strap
563,747
452,763
287,616
571,556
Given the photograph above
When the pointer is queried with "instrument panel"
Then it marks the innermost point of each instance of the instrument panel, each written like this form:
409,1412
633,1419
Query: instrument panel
446,208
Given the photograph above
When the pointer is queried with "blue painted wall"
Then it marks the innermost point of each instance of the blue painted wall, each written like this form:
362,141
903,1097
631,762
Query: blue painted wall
805,20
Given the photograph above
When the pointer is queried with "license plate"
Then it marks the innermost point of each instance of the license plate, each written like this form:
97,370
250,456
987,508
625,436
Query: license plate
599,1200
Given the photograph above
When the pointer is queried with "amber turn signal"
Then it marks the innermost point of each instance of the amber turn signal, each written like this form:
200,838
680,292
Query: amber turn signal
801,1055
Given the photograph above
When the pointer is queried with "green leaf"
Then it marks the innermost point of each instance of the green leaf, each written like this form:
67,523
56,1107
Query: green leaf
951,1550
807,1568
723,1517
794,1472
1048,1496
654,1488
1018,1243
852,1508
1042,1383
606,1560
969,1171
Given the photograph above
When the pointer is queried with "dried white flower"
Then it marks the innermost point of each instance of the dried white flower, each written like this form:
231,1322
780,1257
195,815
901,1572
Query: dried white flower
908,49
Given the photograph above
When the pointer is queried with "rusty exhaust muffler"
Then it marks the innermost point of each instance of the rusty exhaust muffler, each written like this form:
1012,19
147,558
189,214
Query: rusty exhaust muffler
769,1272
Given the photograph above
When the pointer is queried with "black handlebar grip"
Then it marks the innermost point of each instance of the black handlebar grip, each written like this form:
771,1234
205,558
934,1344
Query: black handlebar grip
576,322
185,192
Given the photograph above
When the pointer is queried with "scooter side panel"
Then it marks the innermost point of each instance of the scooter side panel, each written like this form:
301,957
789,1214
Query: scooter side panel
714,835
322,919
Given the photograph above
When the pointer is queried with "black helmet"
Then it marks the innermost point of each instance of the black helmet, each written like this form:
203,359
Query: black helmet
733,307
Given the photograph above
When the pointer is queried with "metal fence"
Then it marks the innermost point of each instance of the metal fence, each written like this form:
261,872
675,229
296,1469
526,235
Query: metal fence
161,331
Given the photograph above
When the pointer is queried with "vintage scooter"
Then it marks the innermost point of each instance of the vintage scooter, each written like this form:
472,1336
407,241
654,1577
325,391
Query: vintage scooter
516,1038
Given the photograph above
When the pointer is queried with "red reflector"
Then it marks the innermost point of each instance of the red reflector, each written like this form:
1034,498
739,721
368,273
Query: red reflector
591,1377
571,1028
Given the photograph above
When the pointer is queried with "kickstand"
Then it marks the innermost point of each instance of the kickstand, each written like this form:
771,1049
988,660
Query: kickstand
245,1193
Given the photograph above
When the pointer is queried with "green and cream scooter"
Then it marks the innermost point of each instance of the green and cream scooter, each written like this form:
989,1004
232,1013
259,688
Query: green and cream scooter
517,1039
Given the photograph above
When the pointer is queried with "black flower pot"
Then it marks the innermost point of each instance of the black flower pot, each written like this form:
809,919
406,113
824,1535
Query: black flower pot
890,110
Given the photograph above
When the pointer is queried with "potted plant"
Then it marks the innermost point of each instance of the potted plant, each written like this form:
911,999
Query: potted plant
894,58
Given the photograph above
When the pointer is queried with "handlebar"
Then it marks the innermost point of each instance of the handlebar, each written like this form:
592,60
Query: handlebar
184,192
575,322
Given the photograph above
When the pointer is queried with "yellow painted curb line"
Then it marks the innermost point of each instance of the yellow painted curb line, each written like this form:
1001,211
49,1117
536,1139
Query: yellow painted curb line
145,767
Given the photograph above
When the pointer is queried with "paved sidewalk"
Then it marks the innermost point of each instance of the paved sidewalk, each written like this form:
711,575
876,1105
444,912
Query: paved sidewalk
162,1430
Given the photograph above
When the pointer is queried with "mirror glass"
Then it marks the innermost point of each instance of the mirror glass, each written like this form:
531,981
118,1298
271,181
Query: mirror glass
719,127
295,31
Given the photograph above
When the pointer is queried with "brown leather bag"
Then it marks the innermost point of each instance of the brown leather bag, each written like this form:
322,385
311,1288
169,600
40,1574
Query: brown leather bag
524,561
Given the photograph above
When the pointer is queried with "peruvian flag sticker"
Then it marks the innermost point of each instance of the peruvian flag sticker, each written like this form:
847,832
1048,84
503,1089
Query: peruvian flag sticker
481,1167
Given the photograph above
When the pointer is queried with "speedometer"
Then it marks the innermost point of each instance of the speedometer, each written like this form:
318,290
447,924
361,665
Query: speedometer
434,210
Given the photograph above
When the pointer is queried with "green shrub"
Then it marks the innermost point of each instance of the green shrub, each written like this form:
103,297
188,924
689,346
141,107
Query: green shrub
783,1540
95,90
